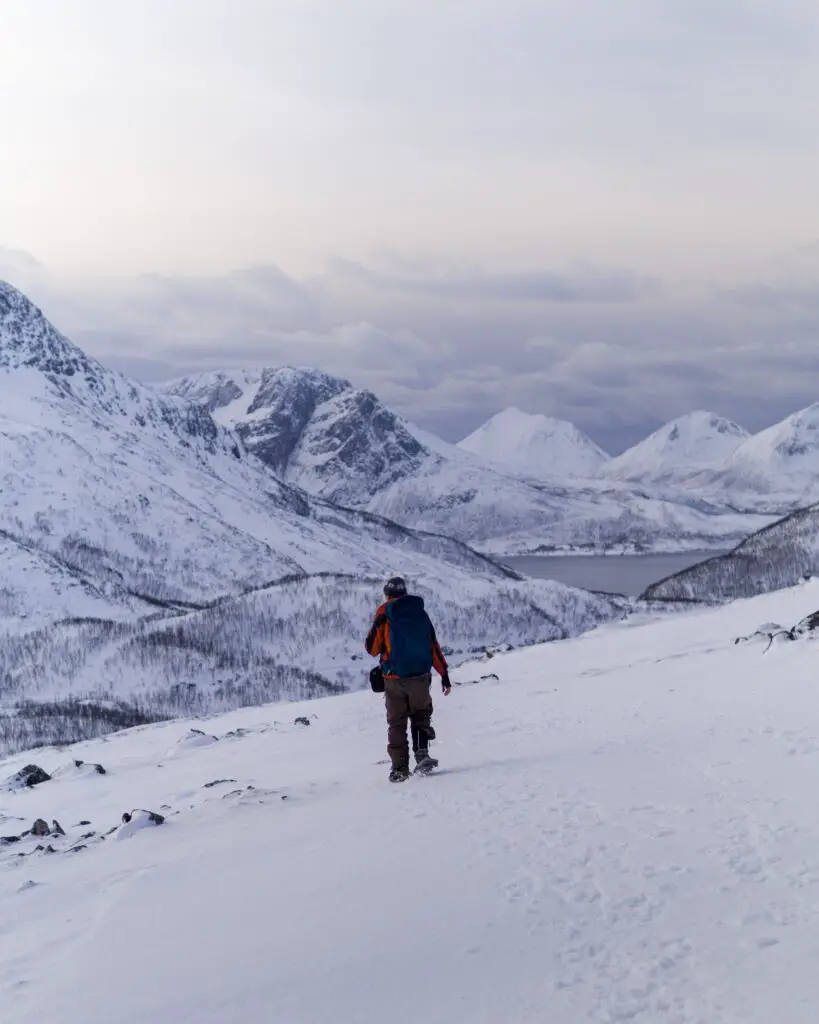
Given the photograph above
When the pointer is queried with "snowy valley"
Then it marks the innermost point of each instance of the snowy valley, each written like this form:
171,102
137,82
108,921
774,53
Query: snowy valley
153,565
221,541
622,828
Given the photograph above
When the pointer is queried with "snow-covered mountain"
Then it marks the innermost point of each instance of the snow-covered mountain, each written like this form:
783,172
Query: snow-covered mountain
678,449
535,444
149,495
125,513
344,445
314,431
778,466
623,828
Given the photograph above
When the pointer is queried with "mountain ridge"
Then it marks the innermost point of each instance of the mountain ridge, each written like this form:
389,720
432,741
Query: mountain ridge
343,444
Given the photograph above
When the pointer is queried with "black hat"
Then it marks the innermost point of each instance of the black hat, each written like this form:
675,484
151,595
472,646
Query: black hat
396,587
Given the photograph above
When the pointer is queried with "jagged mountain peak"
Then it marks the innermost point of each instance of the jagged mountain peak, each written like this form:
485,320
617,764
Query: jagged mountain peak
535,443
47,380
234,394
315,430
27,339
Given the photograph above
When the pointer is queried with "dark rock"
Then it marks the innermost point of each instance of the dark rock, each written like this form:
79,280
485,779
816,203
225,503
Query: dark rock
153,817
8,840
57,829
31,775
84,823
97,767
301,720
40,828
217,782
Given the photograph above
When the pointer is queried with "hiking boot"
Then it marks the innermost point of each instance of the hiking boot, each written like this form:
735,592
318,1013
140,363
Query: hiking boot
400,773
423,762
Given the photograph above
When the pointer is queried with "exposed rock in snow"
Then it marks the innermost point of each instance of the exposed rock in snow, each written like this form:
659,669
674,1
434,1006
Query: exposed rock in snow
191,740
535,444
26,778
136,821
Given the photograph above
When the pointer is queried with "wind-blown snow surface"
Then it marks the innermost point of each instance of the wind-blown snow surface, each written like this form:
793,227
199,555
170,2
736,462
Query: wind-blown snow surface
320,434
623,828
535,444
681,447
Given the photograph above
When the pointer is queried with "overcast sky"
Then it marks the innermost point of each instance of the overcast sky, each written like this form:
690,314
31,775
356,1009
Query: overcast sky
603,210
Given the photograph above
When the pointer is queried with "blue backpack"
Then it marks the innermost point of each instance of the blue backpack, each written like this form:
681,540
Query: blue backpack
410,638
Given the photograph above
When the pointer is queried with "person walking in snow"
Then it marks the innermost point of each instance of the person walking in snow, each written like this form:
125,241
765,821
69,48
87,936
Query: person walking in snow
403,636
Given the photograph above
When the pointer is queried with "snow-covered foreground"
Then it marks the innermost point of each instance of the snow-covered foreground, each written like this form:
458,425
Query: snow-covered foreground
623,828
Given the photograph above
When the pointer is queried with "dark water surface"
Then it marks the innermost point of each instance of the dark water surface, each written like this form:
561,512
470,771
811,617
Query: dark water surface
621,574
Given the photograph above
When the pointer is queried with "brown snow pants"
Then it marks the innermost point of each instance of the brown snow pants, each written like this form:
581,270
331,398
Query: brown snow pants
407,700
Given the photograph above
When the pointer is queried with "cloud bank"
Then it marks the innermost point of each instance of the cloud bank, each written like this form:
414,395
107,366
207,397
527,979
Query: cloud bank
448,347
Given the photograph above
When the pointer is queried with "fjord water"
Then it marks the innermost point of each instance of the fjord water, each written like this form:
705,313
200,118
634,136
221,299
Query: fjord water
618,574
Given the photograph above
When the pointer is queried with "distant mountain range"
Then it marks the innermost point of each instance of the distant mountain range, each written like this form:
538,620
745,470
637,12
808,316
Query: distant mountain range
322,435
220,540
678,449
699,455
151,558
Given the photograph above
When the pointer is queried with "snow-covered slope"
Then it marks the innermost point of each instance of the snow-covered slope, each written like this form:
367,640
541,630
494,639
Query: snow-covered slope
775,557
780,463
681,447
535,444
293,640
623,828
344,445
149,495
119,504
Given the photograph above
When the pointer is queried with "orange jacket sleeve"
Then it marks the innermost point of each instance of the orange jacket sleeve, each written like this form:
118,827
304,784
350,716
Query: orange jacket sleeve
376,642
438,659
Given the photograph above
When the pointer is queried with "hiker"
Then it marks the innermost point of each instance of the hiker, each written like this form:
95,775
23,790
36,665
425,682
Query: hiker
404,638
